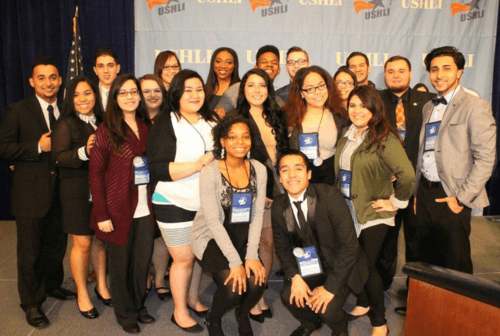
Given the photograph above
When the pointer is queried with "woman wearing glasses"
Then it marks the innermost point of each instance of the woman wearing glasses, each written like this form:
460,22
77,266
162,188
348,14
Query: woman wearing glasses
315,115
167,65
222,74
180,145
121,214
346,81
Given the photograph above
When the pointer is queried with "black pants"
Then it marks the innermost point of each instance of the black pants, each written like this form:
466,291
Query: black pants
371,240
128,270
443,235
334,315
387,260
41,245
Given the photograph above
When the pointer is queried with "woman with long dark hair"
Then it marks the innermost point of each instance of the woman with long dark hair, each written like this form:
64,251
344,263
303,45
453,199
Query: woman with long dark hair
346,81
222,74
166,66
368,156
227,228
315,115
256,102
121,215
180,144
72,142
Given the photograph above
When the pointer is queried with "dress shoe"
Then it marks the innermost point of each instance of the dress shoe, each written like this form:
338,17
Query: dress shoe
401,310
107,302
243,323
90,314
36,318
164,295
257,317
145,318
305,331
193,329
267,313
200,313
132,328
214,328
61,293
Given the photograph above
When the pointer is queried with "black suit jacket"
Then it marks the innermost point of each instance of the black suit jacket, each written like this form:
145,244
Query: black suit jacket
413,118
22,126
330,218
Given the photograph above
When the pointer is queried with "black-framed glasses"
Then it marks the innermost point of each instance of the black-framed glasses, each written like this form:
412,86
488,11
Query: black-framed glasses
347,84
133,93
321,87
171,67
301,61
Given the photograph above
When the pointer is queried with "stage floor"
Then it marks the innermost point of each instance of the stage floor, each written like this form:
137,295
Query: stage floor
66,320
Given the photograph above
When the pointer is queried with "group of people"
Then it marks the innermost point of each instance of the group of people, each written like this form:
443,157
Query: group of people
220,175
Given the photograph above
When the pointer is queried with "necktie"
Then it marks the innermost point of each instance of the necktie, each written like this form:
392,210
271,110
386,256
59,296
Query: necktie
303,229
52,118
400,114
436,101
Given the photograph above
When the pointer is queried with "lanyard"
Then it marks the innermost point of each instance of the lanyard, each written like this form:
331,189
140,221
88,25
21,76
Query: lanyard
202,139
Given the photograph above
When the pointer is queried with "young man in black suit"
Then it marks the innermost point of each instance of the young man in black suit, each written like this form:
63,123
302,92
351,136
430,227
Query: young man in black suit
403,106
314,220
25,141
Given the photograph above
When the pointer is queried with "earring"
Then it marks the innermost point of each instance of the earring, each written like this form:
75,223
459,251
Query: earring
222,152
248,155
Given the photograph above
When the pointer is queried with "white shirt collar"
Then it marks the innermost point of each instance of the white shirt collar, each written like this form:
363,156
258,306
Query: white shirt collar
352,130
301,197
45,105
87,119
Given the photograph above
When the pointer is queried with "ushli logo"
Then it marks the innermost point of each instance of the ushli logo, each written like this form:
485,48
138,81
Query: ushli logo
169,7
271,7
377,8
471,7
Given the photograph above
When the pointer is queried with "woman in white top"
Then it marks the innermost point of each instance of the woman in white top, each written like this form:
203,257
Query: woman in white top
180,144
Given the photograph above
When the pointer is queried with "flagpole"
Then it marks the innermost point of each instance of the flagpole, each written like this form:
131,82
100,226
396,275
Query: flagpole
77,69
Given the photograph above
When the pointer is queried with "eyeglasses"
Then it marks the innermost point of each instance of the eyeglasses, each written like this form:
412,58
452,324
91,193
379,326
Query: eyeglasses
124,94
346,84
301,61
311,90
148,91
171,67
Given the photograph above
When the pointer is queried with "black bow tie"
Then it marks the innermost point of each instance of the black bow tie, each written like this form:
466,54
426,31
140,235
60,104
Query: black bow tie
436,101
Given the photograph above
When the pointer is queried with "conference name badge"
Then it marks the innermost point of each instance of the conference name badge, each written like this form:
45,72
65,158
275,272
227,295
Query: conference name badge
345,183
308,261
141,171
242,208
309,145
431,134
402,134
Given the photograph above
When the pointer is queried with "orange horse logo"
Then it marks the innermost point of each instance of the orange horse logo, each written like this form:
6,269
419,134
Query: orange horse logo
152,3
362,5
457,7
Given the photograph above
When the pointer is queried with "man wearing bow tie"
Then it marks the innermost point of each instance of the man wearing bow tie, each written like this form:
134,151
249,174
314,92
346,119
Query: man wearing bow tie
25,140
456,158
316,243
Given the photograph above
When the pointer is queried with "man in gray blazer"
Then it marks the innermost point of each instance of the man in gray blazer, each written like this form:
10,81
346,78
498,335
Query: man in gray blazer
455,160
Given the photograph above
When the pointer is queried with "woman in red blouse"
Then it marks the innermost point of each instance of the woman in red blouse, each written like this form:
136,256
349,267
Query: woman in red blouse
121,213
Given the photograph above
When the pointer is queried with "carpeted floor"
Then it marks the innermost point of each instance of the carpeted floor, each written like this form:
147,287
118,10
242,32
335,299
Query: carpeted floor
66,320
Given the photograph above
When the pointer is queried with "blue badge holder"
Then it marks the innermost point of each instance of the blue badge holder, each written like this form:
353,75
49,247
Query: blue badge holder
141,171
308,261
402,134
241,209
345,183
309,145
431,134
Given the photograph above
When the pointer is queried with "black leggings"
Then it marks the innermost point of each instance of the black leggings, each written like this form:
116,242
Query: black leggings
225,299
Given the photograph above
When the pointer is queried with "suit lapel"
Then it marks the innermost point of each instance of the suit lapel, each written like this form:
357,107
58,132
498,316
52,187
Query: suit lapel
451,108
311,206
38,114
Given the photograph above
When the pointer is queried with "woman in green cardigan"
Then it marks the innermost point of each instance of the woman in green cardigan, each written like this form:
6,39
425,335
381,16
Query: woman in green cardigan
370,157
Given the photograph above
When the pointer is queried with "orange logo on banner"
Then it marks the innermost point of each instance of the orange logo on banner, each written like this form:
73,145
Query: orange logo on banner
362,5
257,3
152,3
458,7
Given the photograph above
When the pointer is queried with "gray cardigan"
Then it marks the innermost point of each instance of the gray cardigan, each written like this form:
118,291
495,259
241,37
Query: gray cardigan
208,223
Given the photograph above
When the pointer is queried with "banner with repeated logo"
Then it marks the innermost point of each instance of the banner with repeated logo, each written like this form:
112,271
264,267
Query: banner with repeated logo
327,29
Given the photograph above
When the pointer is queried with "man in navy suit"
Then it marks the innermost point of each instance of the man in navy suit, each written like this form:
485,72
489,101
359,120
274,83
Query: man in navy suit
25,141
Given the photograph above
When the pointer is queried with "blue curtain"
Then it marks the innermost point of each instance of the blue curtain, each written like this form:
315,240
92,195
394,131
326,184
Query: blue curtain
32,27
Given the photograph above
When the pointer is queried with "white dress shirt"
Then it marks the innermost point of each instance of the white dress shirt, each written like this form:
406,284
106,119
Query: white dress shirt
303,206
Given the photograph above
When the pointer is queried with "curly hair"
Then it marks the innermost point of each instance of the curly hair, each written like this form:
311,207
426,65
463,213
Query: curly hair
296,106
273,114
222,129
378,126
212,84
114,123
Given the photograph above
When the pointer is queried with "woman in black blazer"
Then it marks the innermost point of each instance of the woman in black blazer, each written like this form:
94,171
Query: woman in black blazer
72,142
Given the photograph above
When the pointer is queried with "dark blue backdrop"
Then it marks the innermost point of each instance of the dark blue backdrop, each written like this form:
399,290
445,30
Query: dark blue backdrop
32,27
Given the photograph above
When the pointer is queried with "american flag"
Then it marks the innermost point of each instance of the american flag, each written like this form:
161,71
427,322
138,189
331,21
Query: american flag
75,64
